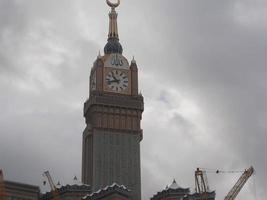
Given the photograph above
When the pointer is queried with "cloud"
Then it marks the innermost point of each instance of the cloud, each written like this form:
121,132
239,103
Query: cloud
202,73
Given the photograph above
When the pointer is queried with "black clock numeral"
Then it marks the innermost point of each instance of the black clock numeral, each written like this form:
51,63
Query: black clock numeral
117,80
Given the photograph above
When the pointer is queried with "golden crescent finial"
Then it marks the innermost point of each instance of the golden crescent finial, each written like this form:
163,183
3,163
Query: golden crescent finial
113,5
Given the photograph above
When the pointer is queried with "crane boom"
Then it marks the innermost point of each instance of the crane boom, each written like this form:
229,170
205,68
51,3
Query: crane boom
239,184
53,187
50,180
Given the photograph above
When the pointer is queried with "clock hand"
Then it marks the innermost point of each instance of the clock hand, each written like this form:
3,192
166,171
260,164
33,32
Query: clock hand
113,81
113,76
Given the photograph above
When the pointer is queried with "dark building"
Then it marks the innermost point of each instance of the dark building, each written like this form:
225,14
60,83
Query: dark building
197,196
68,192
172,192
111,139
175,192
21,191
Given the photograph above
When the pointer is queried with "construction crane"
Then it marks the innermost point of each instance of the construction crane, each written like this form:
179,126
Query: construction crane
202,187
3,195
53,187
201,184
239,184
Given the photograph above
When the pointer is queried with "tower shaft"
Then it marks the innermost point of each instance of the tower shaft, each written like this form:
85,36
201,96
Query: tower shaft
113,113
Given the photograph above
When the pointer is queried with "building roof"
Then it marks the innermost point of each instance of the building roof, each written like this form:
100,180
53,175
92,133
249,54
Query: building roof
174,185
21,186
108,190
68,189
172,190
113,46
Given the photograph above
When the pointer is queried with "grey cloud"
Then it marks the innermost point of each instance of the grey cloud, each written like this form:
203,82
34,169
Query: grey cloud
205,51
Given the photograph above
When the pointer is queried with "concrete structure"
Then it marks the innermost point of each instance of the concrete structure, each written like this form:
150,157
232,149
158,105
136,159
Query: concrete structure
21,191
113,112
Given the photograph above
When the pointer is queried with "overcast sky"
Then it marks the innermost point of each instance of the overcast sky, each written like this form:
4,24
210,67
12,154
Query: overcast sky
202,68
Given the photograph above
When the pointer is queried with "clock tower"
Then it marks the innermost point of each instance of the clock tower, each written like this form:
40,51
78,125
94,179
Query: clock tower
113,112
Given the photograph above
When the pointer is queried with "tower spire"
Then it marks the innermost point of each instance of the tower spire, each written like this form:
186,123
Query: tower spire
113,45
113,25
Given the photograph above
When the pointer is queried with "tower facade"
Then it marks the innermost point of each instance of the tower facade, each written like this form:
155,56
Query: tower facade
113,112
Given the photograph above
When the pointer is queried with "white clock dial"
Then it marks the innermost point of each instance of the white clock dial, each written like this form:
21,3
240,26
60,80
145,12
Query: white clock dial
93,81
117,80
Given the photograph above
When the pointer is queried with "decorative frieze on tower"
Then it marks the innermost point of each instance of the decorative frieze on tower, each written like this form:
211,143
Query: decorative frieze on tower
113,112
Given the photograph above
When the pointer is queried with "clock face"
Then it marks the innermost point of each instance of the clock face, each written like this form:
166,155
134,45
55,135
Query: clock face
93,82
117,80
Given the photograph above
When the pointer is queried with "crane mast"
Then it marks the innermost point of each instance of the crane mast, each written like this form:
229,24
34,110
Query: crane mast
201,184
239,184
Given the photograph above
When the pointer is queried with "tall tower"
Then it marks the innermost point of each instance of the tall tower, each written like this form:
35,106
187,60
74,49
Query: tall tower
113,112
